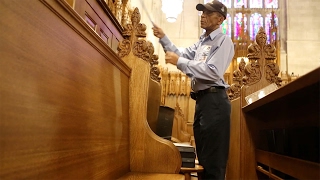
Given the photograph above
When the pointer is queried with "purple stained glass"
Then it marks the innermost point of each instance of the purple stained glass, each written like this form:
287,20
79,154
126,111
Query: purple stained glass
255,3
240,3
237,25
271,3
268,24
256,21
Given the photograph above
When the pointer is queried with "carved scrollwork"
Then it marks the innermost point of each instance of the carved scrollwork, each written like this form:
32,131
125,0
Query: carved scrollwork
272,70
242,65
234,90
141,28
252,73
140,49
124,48
155,72
237,76
261,53
254,51
270,52
154,60
127,30
134,35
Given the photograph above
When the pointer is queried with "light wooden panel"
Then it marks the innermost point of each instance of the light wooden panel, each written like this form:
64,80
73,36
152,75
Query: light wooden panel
63,97
233,167
153,104
148,152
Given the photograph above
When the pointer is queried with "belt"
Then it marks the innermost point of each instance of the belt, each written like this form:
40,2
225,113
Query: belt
212,89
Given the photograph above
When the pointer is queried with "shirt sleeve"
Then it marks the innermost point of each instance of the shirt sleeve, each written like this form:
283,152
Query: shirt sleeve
213,68
187,53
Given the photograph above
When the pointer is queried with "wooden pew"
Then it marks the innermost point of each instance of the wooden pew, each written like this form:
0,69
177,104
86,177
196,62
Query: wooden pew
70,108
179,129
294,106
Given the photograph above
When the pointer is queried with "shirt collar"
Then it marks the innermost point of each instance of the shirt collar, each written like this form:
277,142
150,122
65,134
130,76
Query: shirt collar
212,34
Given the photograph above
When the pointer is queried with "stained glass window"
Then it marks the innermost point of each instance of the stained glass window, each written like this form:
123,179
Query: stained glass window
255,3
271,3
226,26
256,21
240,3
268,24
226,3
256,14
237,25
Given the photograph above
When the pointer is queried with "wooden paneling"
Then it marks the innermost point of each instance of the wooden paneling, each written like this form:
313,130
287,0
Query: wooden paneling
154,95
148,152
298,168
292,109
63,97
104,26
233,167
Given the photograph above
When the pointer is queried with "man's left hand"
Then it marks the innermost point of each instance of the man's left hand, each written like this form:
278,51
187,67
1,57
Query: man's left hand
171,58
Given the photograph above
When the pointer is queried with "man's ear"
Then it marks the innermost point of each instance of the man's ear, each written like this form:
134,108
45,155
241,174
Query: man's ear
221,19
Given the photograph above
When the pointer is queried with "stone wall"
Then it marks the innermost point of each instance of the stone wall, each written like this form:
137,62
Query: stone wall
303,36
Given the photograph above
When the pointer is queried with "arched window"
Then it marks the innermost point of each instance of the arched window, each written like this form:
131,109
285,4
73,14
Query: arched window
255,14
226,3
256,21
268,25
238,23
271,3
240,3
255,4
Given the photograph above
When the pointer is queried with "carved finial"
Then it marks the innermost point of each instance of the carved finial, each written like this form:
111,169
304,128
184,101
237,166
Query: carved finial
261,37
134,41
135,29
234,91
136,17
261,61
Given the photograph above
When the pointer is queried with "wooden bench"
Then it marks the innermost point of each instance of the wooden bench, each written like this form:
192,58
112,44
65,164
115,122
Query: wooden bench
261,130
70,107
179,129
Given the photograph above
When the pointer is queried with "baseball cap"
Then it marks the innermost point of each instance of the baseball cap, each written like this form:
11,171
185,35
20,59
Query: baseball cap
215,6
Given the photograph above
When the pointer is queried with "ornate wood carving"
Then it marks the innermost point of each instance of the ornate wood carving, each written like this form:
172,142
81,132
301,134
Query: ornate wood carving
175,83
261,64
257,60
145,145
134,42
234,91
124,48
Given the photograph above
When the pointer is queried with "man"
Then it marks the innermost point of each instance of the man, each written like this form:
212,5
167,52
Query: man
205,63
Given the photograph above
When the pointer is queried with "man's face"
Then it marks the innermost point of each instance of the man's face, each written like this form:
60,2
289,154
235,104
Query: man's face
211,20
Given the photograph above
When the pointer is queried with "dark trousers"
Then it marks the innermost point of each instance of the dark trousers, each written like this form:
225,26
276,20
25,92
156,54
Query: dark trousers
212,133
